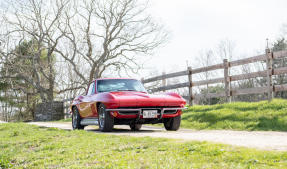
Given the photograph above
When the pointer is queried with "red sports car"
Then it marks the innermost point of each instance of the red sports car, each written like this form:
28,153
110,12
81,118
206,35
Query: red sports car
110,102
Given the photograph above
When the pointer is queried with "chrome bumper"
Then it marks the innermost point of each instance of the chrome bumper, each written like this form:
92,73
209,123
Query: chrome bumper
139,110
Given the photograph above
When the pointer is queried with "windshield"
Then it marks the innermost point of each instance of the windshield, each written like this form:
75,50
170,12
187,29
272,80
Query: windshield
109,85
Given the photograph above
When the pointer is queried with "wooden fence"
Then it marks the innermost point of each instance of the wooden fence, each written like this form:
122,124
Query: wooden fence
267,58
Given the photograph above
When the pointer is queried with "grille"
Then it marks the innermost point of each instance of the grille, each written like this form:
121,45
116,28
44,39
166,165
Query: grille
154,107
169,111
146,108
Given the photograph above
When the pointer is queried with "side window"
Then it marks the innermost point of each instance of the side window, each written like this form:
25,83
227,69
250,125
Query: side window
91,89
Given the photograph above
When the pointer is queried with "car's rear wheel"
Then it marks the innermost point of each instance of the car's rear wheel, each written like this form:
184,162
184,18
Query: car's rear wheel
106,122
172,123
76,119
135,127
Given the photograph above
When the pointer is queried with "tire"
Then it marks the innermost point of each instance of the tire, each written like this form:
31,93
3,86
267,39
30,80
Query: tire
172,124
106,121
135,127
76,120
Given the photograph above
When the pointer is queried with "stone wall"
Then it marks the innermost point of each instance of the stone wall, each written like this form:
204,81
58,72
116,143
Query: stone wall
49,111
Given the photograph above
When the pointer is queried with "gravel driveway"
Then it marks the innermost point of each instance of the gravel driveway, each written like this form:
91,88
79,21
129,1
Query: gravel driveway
266,140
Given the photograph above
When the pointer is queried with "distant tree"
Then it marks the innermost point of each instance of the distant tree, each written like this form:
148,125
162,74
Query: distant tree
280,44
206,58
212,89
225,49
248,83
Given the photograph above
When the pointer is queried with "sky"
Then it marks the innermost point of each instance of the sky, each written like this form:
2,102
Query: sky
197,25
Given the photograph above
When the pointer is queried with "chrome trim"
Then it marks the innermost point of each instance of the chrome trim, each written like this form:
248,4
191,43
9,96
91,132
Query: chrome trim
123,109
140,110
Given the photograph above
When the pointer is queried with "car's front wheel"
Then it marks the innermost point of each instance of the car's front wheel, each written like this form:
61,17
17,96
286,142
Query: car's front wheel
76,120
135,127
106,122
172,123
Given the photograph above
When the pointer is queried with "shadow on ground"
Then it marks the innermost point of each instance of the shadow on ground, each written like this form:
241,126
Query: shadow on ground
119,130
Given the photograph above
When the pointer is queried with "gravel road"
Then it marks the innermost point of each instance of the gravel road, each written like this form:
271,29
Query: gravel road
265,140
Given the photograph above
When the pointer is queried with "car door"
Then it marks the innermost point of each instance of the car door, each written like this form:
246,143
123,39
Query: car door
87,103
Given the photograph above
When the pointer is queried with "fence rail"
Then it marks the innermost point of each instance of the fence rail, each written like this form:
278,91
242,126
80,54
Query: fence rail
268,58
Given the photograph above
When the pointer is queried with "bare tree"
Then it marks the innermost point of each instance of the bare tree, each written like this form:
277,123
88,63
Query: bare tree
205,59
225,49
107,35
92,36
284,30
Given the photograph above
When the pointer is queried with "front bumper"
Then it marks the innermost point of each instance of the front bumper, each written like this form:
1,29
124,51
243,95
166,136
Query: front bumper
137,113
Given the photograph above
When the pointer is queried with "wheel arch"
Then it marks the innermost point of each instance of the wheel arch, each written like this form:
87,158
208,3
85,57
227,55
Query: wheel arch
73,107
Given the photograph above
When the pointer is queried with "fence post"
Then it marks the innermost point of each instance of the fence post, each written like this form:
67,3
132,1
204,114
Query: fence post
190,86
269,60
226,80
163,80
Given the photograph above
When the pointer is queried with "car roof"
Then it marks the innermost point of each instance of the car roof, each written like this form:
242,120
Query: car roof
114,78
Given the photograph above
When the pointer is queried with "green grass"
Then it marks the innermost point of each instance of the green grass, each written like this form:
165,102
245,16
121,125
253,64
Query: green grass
238,116
28,146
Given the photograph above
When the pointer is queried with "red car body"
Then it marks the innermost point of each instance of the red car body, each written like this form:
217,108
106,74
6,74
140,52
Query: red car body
124,107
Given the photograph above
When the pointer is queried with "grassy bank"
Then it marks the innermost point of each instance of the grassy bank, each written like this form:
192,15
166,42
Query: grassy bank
238,116
27,146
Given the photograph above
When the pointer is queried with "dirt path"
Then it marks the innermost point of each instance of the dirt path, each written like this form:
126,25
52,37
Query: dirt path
266,140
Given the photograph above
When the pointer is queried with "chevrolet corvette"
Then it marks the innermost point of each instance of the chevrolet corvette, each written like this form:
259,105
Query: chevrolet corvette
123,101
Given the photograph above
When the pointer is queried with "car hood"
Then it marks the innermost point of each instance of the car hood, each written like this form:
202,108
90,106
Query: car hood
141,99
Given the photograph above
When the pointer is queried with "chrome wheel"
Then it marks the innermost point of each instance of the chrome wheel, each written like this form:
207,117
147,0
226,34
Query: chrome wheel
74,119
106,121
102,117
